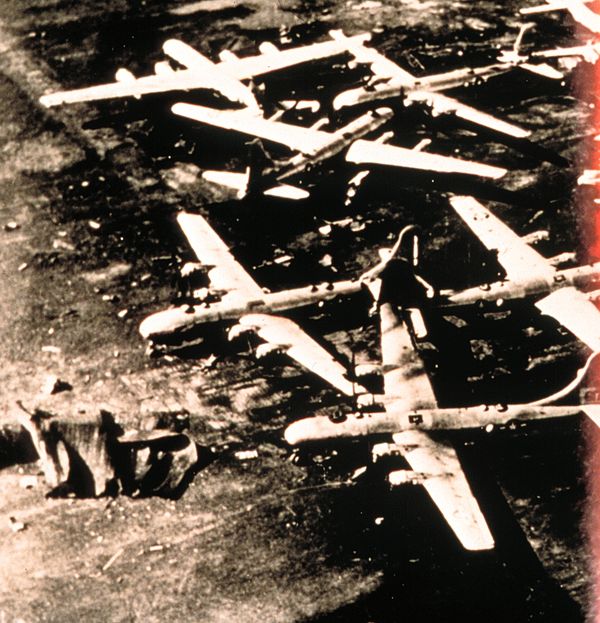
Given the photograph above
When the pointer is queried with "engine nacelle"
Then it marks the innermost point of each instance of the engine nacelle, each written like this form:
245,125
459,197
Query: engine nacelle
237,330
568,257
163,68
124,75
189,268
401,477
227,55
266,47
536,236
380,450
263,350
367,369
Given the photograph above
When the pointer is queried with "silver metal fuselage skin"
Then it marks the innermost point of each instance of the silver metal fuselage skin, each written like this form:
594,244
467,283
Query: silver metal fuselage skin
446,81
582,277
186,316
397,419
340,140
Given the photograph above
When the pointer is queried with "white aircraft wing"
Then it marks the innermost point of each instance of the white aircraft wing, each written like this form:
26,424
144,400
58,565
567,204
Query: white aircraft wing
577,8
295,137
225,273
517,258
573,309
381,66
239,181
446,483
298,345
135,87
273,59
202,73
370,152
441,104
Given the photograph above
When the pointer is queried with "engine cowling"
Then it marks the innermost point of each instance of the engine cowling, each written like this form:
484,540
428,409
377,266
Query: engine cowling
238,330
401,477
263,350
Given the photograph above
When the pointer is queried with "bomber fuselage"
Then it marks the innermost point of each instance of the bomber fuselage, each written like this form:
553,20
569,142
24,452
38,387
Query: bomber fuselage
395,419
233,307
582,277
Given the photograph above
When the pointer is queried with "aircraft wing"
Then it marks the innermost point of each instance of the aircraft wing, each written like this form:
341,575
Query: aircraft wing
370,152
225,273
135,87
381,66
573,309
446,483
273,59
577,8
441,104
295,137
298,345
517,258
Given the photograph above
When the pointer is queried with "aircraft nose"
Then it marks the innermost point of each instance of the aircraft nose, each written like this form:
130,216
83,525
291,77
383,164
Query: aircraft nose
298,432
318,428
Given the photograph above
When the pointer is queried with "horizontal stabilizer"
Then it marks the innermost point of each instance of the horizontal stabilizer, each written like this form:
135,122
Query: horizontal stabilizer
239,182
186,55
542,69
593,412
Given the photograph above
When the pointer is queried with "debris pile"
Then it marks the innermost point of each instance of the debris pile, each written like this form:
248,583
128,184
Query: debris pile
94,456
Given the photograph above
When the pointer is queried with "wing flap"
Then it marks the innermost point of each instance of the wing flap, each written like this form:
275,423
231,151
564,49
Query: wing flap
517,258
446,483
369,152
574,311
298,345
225,272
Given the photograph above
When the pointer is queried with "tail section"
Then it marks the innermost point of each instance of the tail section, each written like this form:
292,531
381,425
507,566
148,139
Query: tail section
393,279
260,164
514,57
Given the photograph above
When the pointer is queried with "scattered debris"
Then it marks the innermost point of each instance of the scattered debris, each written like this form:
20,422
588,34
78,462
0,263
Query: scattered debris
123,313
28,482
22,266
15,525
90,456
62,245
112,272
108,564
181,175
94,225
51,349
11,226
54,385
246,455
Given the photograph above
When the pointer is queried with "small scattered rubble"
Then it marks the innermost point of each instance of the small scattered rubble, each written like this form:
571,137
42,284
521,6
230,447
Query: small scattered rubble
16,525
54,385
